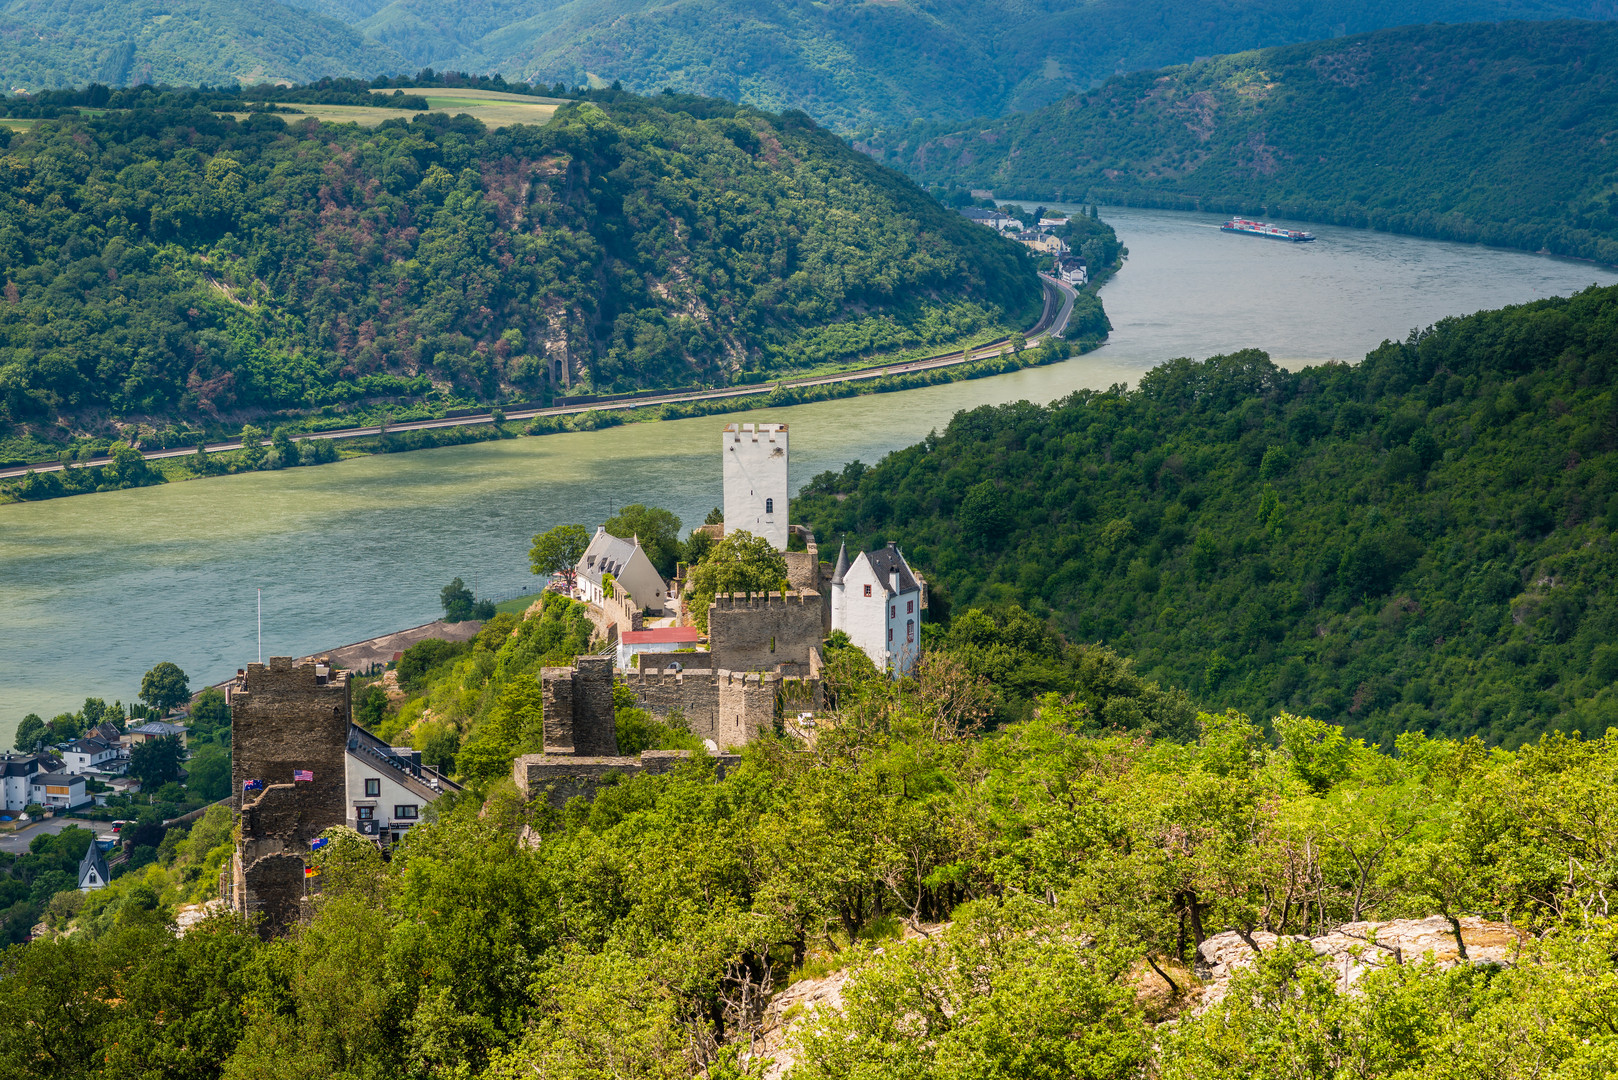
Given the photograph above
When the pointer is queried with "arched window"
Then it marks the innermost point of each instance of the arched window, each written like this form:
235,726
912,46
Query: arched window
769,506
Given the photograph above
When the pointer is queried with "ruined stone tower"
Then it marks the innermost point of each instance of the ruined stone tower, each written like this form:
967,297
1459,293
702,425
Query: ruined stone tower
286,721
578,708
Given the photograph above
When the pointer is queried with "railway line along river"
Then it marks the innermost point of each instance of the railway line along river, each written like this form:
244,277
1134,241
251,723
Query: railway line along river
95,589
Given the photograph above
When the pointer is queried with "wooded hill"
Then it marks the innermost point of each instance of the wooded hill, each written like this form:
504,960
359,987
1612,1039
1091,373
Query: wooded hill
859,65
172,263
48,44
1423,541
1496,134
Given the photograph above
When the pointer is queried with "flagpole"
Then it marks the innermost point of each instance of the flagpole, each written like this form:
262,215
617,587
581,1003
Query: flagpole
261,626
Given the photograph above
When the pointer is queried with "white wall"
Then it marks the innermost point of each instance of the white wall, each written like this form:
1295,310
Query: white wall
756,458
868,620
363,767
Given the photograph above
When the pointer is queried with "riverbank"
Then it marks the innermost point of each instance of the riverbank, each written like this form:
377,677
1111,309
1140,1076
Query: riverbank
1042,345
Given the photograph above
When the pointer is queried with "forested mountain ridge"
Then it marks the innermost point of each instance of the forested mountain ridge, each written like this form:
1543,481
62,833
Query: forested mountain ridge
1497,134
857,65
179,265
48,44
1421,541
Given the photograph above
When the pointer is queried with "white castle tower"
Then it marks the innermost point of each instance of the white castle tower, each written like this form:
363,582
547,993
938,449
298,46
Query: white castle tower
756,481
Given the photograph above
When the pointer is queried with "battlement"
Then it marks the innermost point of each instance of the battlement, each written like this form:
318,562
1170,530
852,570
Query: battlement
761,601
738,432
559,779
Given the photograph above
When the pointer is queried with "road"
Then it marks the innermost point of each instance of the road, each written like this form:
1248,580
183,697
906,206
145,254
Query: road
17,843
1059,300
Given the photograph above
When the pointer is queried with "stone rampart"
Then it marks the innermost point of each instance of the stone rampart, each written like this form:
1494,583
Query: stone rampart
764,631
727,708
559,779
578,708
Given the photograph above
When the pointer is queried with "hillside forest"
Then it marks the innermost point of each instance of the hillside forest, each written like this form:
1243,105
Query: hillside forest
1495,134
1423,541
166,262
1011,899
852,66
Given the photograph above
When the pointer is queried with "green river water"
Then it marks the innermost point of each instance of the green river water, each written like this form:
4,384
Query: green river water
96,589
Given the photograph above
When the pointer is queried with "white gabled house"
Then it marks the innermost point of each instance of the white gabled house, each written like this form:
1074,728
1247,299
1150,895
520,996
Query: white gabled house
877,600
631,568
90,755
388,787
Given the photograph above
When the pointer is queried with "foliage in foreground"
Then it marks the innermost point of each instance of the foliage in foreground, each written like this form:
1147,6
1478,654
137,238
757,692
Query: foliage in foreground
1423,541
642,935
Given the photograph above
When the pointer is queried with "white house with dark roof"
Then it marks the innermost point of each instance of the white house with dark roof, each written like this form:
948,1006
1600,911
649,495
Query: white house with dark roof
93,869
877,600
388,786
61,791
629,566
17,775
90,755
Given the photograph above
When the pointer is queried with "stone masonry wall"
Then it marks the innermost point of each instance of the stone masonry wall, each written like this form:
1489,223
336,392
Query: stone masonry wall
285,717
578,708
694,694
558,779
763,632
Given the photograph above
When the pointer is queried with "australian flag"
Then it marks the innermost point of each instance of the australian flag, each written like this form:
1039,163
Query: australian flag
252,785
319,843
302,774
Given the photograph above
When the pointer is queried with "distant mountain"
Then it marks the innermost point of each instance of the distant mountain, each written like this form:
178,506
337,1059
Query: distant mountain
46,44
1505,134
856,65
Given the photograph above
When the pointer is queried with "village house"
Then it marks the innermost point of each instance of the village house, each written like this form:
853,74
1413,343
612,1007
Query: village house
152,729
877,600
91,755
1044,243
388,787
17,774
1072,271
631,570
57,791
657,639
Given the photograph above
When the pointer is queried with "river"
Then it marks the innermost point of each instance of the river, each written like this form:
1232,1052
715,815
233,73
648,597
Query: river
96,589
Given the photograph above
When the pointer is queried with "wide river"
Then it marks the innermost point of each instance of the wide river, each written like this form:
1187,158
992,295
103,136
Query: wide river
96,589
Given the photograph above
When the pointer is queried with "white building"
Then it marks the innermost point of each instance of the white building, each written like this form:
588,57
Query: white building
657,639
756,481
877,601
57,790
388,787
93,869
90,755
17,774
631,568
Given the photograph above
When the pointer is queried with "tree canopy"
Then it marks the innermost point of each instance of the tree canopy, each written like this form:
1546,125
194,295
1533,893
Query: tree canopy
165,687
739,562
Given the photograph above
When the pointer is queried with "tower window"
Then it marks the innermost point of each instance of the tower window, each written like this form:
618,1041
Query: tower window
769,506
867,590
910,607
910,630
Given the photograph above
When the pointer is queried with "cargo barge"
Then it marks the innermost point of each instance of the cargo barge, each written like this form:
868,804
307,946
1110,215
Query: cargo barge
1259,228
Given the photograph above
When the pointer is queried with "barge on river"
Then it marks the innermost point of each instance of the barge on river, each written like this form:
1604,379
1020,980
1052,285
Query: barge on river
1273,232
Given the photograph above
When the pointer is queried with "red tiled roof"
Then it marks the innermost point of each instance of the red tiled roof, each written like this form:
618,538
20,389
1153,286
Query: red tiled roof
661,635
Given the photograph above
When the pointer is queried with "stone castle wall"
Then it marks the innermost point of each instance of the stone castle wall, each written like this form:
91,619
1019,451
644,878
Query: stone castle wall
285,717
559,779
765,631
578,708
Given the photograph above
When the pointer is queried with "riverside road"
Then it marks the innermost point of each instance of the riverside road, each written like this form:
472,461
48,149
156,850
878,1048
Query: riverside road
1059,300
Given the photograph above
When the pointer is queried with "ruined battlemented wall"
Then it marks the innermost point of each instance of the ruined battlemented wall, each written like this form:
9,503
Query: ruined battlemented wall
663,691
729,708
558,779
765,631
578,708
285,717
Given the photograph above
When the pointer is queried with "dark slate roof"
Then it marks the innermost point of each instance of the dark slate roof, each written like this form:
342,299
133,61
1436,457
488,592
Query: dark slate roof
26,764
56,778
93,860
611,553
157,727
841,572
886,560
89,746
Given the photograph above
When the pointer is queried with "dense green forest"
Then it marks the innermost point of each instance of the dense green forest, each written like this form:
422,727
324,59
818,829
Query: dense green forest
858,65
49,44
1014,902
1493,134
1422,541
170,263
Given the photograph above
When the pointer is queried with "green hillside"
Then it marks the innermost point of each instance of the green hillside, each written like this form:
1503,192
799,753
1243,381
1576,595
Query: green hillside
1499,134
854,64
46,44
1422,541
174,264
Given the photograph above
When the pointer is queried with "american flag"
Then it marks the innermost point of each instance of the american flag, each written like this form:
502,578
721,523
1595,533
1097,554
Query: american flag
302,774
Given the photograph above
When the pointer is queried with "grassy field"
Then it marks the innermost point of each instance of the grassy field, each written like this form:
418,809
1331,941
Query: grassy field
495,109
517,604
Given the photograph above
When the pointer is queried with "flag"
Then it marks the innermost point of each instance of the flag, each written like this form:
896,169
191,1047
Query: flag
302,774
311,871
252,785
320,843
